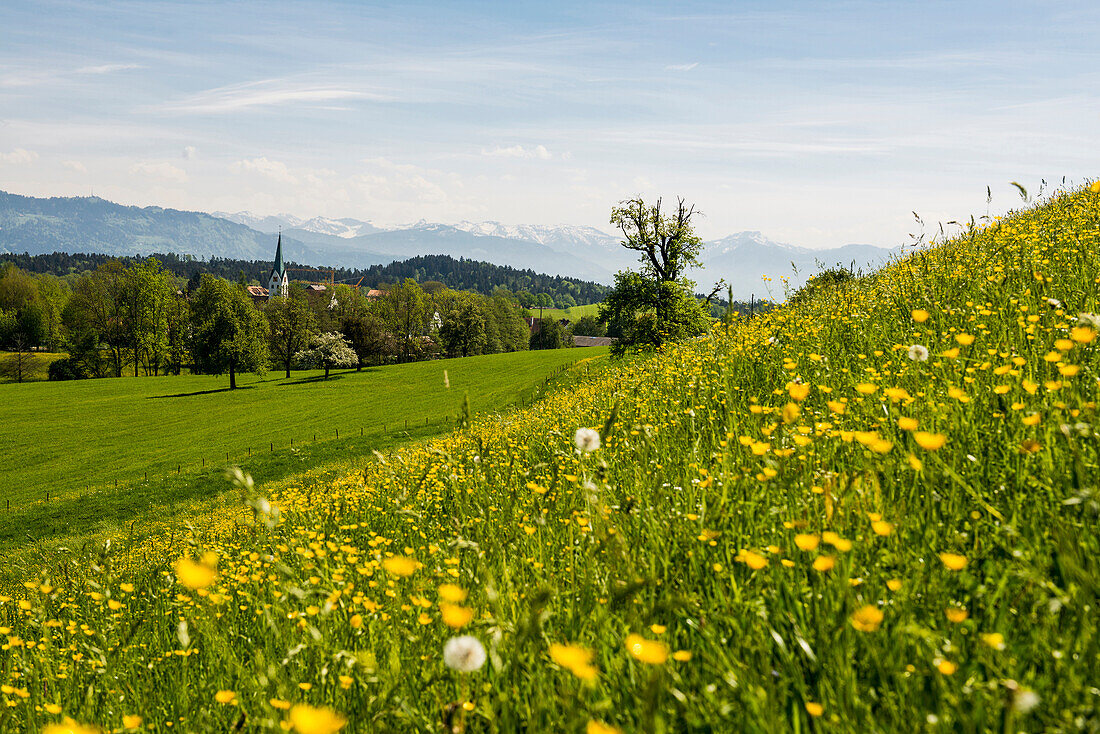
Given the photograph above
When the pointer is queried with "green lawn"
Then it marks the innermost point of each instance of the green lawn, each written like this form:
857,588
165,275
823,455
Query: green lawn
68,436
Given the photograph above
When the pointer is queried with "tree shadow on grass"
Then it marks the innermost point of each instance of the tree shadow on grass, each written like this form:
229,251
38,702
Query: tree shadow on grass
201,392
312,380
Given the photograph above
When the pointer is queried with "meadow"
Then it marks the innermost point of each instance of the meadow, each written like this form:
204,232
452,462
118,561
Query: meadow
58,437
573,313
872,511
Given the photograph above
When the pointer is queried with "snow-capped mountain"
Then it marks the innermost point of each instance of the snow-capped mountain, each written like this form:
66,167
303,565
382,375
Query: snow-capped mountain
344,228
544,234
744,259
266,224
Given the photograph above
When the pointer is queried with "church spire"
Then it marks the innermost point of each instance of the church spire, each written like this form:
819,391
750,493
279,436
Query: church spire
278,284
279,267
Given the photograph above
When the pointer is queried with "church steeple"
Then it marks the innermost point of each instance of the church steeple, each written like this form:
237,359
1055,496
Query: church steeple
278,283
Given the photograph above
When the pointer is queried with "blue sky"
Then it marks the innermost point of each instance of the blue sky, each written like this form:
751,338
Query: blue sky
818,123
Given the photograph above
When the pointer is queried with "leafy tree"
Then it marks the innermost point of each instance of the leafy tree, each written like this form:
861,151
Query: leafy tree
228,333
291,325
510,330
327,350
53,295
549,334
655,305
589,326
147,293
95,315
630,313
406,309
179,333
368,337
463,329
66,369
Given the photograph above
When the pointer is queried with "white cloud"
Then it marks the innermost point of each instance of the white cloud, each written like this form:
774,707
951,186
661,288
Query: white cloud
189,153
518,151
275,170
681,67
161,169
262,94
19,156
75,166
107,68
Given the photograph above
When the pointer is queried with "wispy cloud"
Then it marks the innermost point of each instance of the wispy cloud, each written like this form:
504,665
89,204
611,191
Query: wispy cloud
268,93
681,67
159,169
19,156
189,152
75,166
275,170
518,151
107,68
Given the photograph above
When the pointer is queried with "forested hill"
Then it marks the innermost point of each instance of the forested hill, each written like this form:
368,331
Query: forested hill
460,274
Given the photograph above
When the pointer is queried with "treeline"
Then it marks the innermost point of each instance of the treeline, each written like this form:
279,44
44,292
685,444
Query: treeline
461,274
142,317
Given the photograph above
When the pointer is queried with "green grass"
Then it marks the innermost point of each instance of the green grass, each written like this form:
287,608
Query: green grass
38,367
65,436
793,524
573,313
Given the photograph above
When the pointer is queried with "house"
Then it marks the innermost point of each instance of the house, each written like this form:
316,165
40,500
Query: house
593,341
258,294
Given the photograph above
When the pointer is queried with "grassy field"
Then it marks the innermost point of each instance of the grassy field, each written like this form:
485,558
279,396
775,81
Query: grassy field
573,314
61,437
873,511
37,367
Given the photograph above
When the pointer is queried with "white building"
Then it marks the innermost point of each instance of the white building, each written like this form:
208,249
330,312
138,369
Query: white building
278,285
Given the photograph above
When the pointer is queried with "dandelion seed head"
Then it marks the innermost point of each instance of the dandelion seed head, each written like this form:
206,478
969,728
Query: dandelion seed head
586,439
464,654
918,353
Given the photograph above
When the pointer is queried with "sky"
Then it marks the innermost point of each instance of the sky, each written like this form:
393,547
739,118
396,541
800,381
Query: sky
817,123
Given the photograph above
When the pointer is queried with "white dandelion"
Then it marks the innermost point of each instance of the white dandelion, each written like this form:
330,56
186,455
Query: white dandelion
1024,700
918,353
464,654
586,439
1089,319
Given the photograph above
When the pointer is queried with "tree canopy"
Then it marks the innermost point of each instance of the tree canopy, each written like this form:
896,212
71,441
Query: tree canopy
230,335
647,308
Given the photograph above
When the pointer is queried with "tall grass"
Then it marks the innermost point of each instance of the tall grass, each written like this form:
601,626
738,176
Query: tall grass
789,525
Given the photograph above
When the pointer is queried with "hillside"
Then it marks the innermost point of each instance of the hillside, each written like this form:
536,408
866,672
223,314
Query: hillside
875,511
91,224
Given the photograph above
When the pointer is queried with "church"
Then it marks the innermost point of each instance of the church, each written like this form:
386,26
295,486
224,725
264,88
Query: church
278,284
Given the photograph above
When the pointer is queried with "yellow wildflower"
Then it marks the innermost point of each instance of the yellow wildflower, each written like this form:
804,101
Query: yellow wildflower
309,720
647,651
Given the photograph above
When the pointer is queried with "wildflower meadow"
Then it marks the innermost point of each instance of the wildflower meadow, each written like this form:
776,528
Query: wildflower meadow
873,511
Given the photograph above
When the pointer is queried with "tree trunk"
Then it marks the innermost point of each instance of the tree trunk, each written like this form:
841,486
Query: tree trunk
326,370
232,377
287,365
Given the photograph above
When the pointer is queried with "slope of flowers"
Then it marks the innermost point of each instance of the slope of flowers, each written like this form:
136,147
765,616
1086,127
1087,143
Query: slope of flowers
874,512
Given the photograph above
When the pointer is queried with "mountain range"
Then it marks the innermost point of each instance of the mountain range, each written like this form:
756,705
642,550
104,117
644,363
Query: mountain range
91,224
